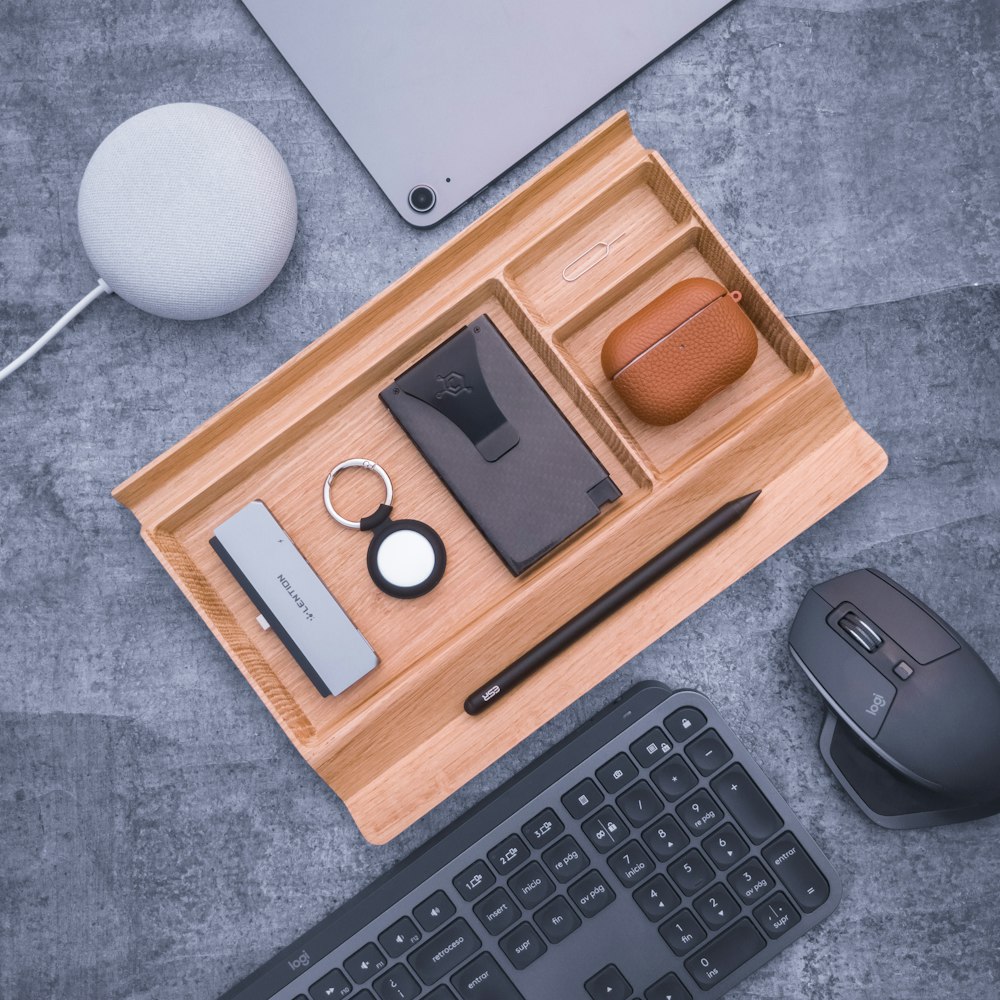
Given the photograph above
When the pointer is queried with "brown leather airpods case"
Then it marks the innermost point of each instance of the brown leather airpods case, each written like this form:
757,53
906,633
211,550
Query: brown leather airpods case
679,350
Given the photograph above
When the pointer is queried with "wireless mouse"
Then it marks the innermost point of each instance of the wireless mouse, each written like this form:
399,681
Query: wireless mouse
913,728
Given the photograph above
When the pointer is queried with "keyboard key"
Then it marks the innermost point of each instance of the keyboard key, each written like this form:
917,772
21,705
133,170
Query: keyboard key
656,898
483,979
747,804
691,872
666,838
674,778
617,773
776,915
333,986
682,932
700,812
474,881
365,963
438,993
650,747
751,881
522,946
508,855
444,952
566,859
397,984
543,829
531,885
667,988
708,753
716,907
434,911
631,864
497,911
608,984
557,919
725,847
591,894
583,798
795,869
723,956
640,804
605,829
684,723
399,938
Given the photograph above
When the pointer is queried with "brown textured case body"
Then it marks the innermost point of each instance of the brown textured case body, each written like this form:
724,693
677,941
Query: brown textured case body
679,350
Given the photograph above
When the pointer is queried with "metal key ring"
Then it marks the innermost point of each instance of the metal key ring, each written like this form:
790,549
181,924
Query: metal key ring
354,463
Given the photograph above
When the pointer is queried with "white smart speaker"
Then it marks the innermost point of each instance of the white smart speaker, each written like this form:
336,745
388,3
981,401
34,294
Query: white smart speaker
186,211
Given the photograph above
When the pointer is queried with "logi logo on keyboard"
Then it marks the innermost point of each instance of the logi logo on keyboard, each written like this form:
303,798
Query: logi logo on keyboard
299,963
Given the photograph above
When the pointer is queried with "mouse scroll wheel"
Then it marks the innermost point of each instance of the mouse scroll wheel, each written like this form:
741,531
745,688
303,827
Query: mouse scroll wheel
860,631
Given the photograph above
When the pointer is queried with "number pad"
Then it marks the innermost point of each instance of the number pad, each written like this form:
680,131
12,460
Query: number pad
605,829
716,907
674,778
656,898
776,915
751,881
682,932
725,847
691,872
666,838
708,753
631,864
700,812
640,804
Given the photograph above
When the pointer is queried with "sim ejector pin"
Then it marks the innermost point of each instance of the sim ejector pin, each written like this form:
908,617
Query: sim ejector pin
605,245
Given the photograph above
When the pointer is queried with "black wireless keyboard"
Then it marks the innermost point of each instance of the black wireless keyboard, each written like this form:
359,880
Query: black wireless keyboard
646,855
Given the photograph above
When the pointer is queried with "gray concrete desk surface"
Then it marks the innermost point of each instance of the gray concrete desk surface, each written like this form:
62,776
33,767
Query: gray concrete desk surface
159,837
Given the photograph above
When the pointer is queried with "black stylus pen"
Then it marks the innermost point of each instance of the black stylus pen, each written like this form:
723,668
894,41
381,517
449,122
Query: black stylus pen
618,596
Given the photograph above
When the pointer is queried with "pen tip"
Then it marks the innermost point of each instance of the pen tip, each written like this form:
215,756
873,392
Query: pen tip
746,501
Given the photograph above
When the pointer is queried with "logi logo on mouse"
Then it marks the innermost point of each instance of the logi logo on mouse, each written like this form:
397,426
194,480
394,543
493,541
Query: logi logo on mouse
878,703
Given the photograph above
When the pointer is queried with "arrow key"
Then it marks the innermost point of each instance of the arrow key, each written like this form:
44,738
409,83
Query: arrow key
725,847
667,988
608,984
656,898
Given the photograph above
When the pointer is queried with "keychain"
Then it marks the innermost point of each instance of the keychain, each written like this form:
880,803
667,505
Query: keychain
405,558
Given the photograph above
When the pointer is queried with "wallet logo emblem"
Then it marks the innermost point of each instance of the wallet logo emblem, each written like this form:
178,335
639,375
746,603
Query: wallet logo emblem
452,384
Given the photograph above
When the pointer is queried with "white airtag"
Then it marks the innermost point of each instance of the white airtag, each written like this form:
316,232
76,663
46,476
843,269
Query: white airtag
405,558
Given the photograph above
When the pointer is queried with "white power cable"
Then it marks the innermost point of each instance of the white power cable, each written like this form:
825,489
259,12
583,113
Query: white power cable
101,289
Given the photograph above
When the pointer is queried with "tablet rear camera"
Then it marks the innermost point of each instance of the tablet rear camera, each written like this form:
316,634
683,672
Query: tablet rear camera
422,198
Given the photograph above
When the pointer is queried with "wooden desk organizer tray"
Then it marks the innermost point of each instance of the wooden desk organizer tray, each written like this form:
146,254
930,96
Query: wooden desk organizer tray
398,742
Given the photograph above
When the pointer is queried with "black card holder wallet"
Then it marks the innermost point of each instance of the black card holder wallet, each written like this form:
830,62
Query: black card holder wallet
499,443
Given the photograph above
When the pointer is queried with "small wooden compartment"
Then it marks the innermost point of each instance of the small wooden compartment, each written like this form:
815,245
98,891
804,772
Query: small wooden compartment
398,742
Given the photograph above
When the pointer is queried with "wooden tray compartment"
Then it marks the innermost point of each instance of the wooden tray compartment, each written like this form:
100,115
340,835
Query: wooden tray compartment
398,742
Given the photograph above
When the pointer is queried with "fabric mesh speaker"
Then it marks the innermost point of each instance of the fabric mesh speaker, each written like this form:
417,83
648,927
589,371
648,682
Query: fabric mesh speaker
187,211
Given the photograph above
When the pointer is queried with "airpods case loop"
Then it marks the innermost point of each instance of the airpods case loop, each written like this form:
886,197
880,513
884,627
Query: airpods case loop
679,350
